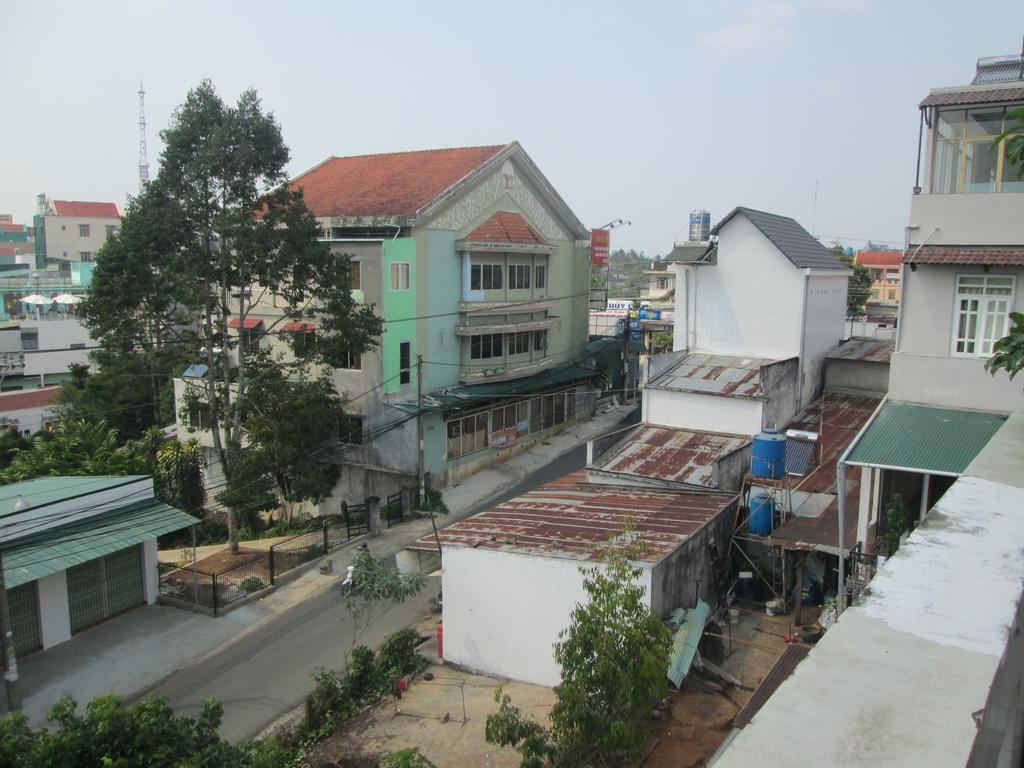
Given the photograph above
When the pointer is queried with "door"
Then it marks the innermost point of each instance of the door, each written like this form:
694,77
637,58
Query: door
105,587
23,605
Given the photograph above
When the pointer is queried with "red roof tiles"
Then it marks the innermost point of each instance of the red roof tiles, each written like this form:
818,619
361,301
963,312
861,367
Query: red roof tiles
29,398
298,327
400,183
878,258
505,227
86,210
991,255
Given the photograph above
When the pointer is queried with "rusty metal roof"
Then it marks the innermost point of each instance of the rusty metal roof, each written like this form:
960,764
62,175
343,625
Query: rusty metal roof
863,350
728,375
783,668
674,455
572,519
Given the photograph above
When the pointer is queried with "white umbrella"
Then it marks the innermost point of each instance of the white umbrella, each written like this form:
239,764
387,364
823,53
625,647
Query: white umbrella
66,298
35,298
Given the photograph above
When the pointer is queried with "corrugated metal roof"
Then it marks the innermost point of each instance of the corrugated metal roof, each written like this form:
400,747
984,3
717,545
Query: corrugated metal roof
925,439
715,375
782,669
686,640
673,455
47,490
792,240
572,519
864,350
84,540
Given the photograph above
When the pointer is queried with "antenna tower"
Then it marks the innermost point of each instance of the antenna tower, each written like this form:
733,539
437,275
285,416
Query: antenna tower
143,155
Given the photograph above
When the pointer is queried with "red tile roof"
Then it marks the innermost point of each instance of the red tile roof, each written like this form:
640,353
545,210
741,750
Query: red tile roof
878,258
400,183
505,227
249,323
991,255
29,398
86,210
12,227
992,95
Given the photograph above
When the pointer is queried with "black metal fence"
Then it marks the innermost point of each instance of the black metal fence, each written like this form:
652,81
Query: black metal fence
357,518
393,509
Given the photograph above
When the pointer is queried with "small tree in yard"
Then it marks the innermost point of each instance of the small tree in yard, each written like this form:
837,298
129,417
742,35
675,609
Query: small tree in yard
377,586
613,658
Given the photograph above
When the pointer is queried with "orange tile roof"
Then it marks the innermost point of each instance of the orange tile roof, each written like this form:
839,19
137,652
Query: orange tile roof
28,398
400,183
505,227
86,210
879,258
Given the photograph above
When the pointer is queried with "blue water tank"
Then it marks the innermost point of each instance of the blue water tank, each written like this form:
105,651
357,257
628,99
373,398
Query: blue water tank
768,454
761,511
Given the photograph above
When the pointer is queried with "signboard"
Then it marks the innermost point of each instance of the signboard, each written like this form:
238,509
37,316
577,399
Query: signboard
600,246
650,314
620,304
503,438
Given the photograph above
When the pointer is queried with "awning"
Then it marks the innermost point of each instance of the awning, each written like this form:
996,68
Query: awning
84,540
472,395
298,327
248,323
920,438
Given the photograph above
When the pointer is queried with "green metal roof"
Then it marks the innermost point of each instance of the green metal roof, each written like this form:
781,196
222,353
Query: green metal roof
83,540
926,439
47,490
476,394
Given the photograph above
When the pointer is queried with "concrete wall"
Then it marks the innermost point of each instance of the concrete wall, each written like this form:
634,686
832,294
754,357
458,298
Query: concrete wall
64,242
150,575
968,219
27,421
713,413
782,387
57,335
823,328
856,376
503,611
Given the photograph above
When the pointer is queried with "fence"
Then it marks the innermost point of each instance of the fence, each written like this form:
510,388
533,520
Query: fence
393,509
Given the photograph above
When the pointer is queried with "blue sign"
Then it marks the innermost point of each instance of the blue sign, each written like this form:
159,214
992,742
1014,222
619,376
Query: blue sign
649,314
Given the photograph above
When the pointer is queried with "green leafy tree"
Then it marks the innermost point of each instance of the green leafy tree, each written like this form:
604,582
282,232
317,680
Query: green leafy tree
613,659
898,521
76,448
229,236
1013,138
858,285
1008,352
11,443
148,734
178,475
378,586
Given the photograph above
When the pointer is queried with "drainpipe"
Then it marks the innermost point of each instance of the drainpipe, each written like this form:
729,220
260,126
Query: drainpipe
803,331
841,491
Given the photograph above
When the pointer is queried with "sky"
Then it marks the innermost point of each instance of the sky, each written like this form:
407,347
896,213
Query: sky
640,111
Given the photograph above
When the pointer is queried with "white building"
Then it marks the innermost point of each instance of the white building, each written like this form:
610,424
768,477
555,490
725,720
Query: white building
28,411
73,230
766,289
79,550
512,574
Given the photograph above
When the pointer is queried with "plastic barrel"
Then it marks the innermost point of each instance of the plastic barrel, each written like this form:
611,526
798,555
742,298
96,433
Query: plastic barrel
768,455
761,510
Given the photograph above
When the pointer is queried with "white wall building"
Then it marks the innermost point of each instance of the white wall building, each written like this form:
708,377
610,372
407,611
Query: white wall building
28,411
74,230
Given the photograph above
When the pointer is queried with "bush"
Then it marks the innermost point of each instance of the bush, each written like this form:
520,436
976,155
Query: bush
251,584
434,502
397,655
406,758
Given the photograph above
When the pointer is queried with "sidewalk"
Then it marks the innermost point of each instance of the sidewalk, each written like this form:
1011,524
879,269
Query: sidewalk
131,654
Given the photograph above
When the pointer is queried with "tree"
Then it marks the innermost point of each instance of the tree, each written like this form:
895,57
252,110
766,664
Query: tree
231,239
898,521
377,584
178,475
76,448
1008,352
1013,138
11,442
613,658
858,285
148,734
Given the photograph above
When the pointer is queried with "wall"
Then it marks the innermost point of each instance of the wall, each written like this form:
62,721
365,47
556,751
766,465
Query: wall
689,572
503,611
713,413
54,609
398,308
856,376
750,302
823,328
968,219
781,383
358,482
56,334
27,420
440,287
63,241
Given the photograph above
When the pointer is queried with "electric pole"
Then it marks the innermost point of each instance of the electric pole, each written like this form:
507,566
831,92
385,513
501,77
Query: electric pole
420,487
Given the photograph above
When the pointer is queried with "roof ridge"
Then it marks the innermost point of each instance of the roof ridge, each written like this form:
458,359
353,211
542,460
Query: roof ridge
419,151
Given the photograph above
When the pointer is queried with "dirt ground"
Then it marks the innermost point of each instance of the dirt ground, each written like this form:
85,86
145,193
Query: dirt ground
444,717
225,561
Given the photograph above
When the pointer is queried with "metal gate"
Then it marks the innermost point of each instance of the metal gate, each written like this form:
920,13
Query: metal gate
357,519
104,587
393,509
23,605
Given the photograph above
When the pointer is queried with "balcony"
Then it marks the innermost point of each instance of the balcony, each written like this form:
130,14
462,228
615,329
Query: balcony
501,369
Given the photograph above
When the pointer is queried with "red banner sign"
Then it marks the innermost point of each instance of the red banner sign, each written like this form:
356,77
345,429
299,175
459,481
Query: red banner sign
600,245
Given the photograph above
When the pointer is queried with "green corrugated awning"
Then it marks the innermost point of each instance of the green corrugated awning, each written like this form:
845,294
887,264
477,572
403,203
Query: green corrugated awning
83,540
924,439
472,395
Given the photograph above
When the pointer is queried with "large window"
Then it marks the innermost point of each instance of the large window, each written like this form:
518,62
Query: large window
540,341
355,281
983,304
518,276
485,277
466,435
354,360
350,429
485,346
519,343
509,416
400,275
964,159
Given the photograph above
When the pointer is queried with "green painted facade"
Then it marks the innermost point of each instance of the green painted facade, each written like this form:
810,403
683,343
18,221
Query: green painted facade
399,307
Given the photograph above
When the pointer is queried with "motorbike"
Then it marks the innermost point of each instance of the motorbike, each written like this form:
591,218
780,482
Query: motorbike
348,586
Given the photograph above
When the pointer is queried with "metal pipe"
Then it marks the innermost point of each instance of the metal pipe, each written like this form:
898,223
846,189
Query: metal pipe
841,491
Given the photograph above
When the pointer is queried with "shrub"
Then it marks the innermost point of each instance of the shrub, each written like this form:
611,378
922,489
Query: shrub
434,502
397,655
251,584
406,758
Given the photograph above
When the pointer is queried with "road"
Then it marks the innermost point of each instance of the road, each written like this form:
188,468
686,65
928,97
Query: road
266,673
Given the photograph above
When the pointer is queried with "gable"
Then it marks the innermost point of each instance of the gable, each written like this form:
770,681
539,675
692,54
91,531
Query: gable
791,240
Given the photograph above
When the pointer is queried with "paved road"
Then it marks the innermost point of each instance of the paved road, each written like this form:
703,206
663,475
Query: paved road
267,673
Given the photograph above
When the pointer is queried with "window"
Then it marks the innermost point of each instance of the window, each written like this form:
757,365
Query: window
486,346
30,339
350,429
405,362
111,229
400,275
303,342
485,277
540,341
77,345
83,230
518,277
519,343
892,294
354,278
540,276
983,305
964,159
509,416
354,360
200,416
875,294
467,435
85,256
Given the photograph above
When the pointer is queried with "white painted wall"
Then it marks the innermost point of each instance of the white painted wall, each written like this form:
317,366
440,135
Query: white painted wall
27,421
503,610
64,242
690,410
54,611
823,328
968,219
56,335
150,575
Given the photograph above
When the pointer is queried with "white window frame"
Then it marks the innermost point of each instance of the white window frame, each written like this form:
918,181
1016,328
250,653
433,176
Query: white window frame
518,274
400,276
979,340
84,230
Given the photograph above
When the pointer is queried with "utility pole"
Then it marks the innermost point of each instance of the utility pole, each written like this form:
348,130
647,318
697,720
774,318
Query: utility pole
625,355
420,490
143,154
7,638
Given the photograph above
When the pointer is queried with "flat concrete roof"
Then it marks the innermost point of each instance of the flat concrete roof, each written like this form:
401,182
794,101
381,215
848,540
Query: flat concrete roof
896,680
